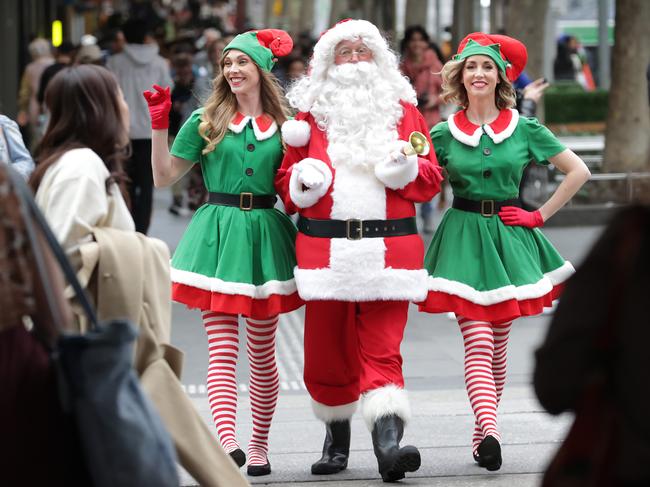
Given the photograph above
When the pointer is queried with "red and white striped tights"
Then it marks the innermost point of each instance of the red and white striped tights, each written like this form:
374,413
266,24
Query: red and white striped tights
485,372
264,386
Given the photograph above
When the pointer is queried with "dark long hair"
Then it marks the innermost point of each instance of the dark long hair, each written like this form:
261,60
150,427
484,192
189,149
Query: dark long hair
418,29
84,113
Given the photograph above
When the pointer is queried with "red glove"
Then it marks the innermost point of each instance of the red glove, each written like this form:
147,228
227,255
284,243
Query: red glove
511,215
160,103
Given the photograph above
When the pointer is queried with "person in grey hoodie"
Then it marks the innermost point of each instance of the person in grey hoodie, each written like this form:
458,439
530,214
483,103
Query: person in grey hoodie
138,67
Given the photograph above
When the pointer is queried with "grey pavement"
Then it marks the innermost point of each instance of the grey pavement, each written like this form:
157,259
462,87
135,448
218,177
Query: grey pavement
442,422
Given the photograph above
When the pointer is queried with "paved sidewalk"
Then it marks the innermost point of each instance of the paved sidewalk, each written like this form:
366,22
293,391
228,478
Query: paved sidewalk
440,428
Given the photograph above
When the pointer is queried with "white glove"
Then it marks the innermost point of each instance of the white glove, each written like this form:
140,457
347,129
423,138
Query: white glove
310,177
397,155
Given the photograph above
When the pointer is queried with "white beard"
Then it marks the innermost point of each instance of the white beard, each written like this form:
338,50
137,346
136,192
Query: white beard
360,112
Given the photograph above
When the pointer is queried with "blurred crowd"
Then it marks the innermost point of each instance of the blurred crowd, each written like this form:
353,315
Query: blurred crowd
185,45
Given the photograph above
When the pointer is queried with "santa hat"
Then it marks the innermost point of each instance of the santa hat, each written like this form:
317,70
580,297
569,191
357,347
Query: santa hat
347,30
509,54
263,46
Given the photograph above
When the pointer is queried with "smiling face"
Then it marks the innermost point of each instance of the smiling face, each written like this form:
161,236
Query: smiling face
240,72
480,76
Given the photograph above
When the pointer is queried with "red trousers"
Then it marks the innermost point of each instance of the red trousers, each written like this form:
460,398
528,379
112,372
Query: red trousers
352,348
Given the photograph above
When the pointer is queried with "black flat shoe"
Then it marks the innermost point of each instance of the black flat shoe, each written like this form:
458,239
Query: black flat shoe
259,470
476,457
489,454
238,456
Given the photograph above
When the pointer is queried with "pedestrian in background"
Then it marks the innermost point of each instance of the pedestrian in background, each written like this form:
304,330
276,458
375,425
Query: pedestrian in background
421,63
29,110
488,261
184,102
137,67
12,148
237,254
65,54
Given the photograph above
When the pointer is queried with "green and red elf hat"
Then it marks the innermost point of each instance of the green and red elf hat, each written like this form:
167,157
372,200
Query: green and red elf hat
263,46
509,54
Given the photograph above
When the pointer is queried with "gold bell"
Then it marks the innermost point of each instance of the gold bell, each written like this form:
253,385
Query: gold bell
418,142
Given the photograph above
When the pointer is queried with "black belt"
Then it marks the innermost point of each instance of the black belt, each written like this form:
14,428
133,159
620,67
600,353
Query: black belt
484,207
354,229
244,201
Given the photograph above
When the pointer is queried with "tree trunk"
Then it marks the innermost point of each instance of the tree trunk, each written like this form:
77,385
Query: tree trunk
628,119
416,13
525,20
463,22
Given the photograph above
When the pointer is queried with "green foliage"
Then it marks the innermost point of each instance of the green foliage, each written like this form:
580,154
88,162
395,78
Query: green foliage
570,103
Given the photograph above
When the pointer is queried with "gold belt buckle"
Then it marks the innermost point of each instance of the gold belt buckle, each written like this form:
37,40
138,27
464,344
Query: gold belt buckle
242,201
358,231
489,204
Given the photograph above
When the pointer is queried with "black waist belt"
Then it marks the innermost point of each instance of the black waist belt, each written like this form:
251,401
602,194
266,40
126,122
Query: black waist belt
357,229
484,207
244,201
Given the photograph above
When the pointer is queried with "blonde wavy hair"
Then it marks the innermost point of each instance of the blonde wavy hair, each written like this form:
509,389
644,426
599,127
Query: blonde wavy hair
453,90
221,107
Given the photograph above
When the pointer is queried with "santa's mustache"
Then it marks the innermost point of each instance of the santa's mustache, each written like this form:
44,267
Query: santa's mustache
354,74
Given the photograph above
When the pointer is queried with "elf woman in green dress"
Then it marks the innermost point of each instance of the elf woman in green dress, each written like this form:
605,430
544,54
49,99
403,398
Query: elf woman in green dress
488,262
237,254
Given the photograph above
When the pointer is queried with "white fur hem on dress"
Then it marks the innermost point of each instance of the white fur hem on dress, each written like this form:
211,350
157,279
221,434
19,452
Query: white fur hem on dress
212,284
505,293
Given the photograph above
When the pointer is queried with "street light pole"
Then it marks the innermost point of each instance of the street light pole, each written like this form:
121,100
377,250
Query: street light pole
603,44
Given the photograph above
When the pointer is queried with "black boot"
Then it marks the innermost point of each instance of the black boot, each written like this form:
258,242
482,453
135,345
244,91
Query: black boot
238,456
489,454
392,460
336,449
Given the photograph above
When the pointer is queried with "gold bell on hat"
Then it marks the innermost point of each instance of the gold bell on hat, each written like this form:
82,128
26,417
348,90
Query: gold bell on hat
418,144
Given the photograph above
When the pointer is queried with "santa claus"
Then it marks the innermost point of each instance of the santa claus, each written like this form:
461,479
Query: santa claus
353,177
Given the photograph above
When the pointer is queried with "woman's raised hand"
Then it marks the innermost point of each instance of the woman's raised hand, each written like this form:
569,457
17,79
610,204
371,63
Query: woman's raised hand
160,103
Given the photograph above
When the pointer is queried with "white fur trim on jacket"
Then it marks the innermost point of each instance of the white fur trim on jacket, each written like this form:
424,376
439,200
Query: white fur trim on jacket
372,285
212,284
304,198
505,293
296,133
398,170
334,413
385,401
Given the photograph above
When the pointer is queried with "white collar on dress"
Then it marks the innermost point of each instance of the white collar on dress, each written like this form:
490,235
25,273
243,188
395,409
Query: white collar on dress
263,126
470,134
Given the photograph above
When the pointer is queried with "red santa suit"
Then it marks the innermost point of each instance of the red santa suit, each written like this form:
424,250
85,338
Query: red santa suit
357,289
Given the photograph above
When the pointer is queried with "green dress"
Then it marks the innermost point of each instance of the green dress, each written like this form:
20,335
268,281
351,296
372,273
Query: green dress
479,267
231,260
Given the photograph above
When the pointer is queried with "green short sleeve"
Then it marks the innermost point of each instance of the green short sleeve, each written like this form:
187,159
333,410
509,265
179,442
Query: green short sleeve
542,143
188,144
439,134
